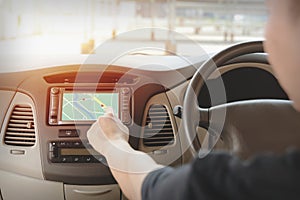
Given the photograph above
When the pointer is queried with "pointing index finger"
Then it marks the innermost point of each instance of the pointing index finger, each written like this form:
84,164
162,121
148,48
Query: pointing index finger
109,112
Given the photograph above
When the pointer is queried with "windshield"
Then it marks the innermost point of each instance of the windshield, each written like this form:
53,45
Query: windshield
60,27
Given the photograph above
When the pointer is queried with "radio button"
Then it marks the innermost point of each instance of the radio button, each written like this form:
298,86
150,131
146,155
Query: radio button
52,146
62,144
125,90
76,159
77,144
125,117
68,133
88,159
64,159
54,90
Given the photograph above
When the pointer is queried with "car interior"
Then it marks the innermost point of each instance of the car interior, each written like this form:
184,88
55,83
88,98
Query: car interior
229,100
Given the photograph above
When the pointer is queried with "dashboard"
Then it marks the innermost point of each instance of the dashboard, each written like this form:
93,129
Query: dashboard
45,115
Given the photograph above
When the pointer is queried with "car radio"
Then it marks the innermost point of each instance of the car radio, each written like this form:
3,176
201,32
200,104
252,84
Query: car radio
69,106
75,151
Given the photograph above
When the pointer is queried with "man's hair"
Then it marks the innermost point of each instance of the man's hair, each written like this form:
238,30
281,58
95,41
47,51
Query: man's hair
294,7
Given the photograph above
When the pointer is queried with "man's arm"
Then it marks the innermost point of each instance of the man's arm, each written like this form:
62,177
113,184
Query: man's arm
129,167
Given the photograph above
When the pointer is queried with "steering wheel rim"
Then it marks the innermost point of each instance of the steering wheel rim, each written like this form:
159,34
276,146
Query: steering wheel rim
193,115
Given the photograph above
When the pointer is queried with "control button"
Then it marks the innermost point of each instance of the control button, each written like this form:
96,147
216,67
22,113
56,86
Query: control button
53,121
64,159
68,144
62,144
68,133
88,159
125,90
54,90
77,144
68,159
76,159
125,117
52,146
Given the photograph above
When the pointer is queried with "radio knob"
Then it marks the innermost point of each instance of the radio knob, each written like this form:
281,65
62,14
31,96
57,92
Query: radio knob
88,159
54,90
125,90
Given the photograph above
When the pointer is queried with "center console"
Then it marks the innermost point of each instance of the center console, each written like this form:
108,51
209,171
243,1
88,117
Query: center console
72,110
73,151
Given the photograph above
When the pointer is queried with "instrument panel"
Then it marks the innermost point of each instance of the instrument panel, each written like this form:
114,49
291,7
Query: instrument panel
65,100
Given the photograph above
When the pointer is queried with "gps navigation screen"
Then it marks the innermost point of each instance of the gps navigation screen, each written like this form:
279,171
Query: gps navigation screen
88,106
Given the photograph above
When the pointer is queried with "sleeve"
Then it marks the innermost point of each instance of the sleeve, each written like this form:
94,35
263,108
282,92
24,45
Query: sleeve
223,176
165,183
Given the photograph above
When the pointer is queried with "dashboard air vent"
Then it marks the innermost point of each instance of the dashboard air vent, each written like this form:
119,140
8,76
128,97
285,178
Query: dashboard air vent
158,129
20,130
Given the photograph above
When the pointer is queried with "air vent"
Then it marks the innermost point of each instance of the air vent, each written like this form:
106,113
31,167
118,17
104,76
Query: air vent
20,130
158,130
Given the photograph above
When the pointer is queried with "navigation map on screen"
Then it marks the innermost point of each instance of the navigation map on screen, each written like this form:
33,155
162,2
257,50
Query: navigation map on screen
88,106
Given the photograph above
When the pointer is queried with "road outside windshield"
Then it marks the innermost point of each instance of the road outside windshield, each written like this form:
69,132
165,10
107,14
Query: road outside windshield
88,106
60,27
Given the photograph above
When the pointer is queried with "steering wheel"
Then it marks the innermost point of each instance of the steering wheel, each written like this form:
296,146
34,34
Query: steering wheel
248,127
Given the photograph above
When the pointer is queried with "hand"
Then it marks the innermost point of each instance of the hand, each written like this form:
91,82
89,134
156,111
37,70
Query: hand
106,132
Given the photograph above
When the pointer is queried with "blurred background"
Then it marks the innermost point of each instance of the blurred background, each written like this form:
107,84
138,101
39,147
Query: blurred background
79,26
